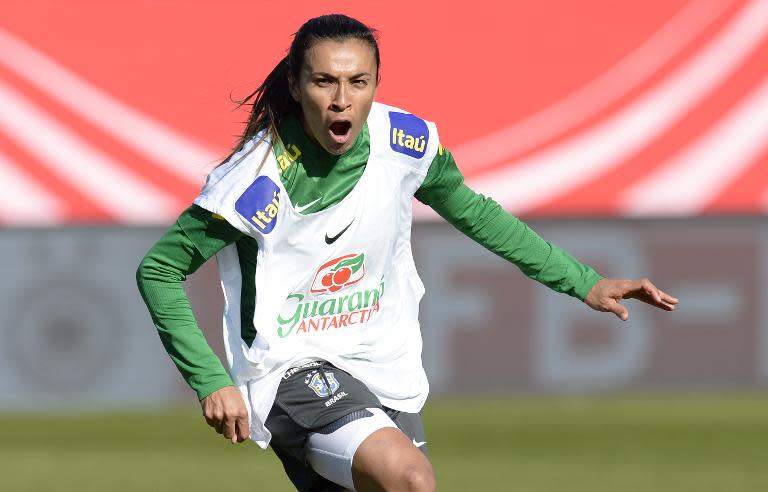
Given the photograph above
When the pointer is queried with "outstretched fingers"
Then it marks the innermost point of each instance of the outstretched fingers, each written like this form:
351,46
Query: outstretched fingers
606,295
645,291
609,299
619,310
670,300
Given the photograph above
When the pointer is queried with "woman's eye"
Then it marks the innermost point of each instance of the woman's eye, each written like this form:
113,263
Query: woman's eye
323,82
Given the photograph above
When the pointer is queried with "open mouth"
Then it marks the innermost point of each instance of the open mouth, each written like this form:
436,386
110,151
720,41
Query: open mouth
340,130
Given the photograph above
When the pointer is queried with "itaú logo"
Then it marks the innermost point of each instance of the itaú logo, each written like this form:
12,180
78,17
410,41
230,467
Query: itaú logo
260,203
338,273
409,134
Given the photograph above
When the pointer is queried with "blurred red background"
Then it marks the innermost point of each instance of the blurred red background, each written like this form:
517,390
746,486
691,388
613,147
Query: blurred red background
546,73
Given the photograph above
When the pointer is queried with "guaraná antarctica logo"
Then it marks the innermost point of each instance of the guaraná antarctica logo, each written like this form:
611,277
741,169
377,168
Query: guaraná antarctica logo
260,203
306,315
338,273
409,134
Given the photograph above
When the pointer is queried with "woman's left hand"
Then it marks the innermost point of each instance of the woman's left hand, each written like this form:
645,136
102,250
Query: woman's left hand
606,294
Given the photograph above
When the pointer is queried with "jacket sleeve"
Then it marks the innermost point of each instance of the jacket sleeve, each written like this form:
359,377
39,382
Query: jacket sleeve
186,245
485,221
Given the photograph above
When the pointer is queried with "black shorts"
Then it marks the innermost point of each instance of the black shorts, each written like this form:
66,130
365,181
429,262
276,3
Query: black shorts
319,397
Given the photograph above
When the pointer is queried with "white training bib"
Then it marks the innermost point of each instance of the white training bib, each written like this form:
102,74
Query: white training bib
339,284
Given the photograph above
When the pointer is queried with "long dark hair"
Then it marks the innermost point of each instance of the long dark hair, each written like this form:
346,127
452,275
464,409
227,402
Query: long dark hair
272,100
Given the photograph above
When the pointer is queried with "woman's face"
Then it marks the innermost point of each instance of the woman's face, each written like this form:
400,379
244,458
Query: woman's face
335,89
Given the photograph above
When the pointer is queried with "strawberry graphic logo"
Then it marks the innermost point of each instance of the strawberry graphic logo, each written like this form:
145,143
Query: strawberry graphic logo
338,273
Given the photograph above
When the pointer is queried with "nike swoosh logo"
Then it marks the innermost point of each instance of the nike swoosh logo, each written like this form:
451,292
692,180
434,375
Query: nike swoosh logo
301,208
418,444
331,240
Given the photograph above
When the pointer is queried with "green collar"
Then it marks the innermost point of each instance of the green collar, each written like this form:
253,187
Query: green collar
292,132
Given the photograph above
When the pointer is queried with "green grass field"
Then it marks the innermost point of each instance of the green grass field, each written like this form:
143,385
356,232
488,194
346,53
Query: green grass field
607,443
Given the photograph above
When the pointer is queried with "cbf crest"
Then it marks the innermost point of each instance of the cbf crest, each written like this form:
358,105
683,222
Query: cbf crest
317,383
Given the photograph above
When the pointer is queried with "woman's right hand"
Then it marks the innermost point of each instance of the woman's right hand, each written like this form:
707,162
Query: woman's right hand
225,411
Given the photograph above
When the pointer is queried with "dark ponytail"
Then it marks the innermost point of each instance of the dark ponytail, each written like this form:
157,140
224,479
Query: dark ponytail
272,101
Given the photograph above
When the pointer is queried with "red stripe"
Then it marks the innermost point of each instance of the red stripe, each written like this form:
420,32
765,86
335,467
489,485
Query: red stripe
601,195
180,190
747,193
76,206
697,43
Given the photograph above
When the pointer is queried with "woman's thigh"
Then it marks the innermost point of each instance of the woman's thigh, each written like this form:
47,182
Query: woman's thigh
372,453
330,452
320,419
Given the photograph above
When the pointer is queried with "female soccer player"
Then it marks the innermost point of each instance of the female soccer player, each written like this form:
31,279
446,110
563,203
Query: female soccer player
309,219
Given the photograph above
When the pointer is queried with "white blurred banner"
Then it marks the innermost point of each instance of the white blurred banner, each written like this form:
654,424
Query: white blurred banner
73,330
75,333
